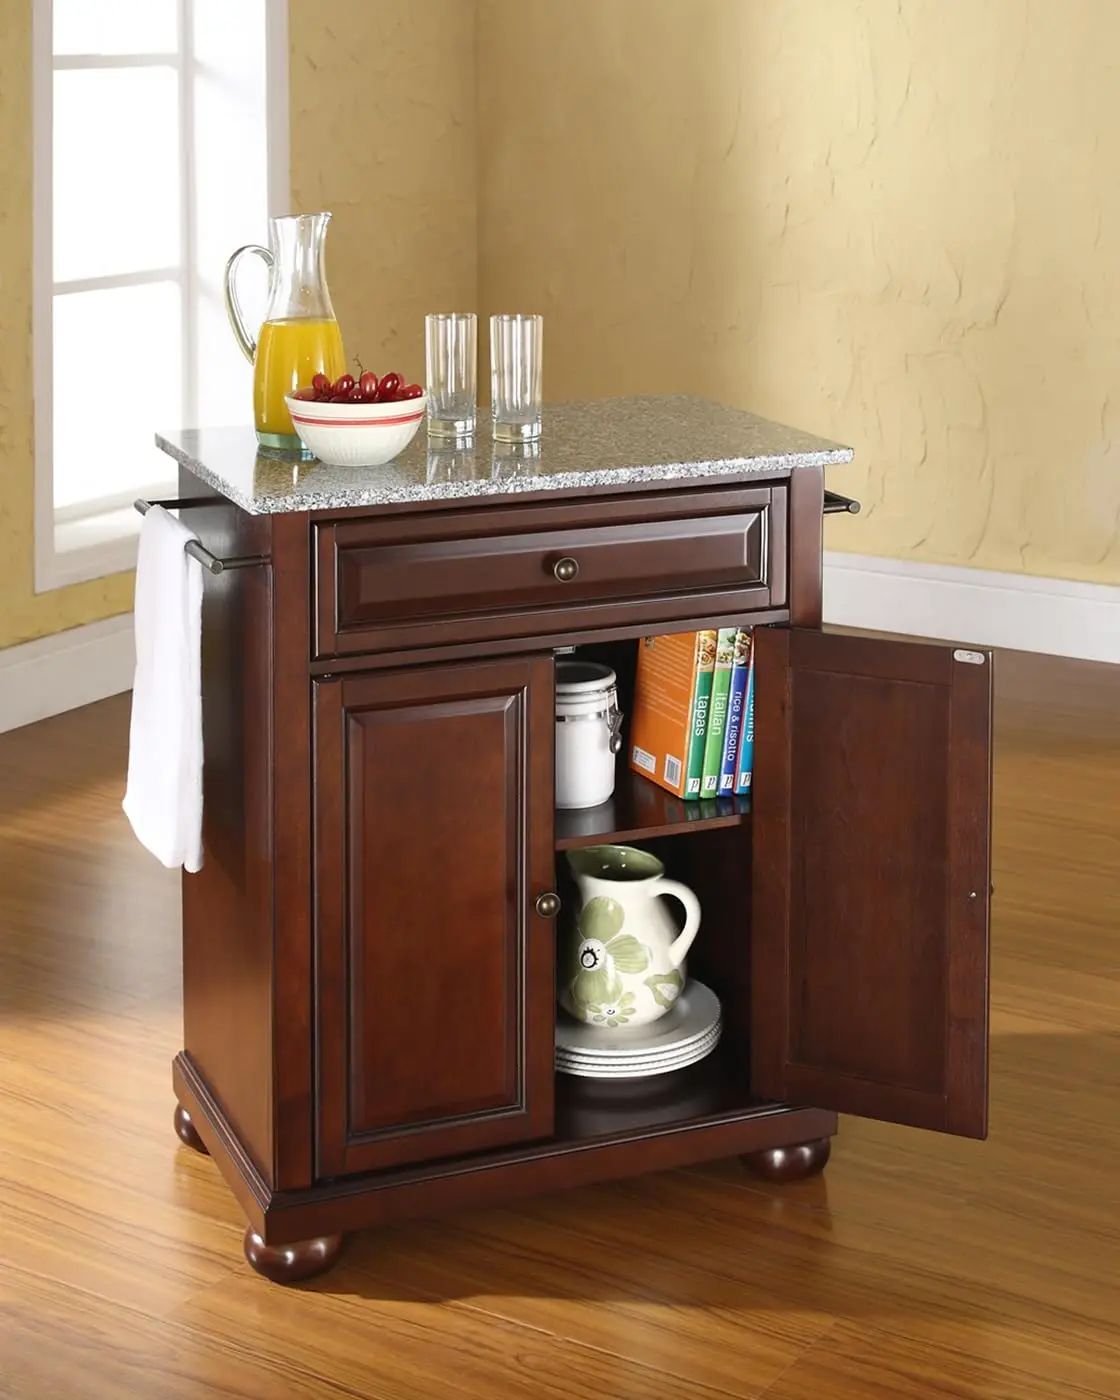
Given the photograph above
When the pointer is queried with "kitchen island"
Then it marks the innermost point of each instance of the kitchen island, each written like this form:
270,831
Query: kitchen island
369,948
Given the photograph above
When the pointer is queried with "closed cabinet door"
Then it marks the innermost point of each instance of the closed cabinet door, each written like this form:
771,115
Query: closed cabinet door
871,817
434,970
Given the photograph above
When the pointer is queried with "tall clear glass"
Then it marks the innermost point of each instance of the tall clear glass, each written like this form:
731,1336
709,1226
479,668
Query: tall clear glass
451,356
516,352
300,337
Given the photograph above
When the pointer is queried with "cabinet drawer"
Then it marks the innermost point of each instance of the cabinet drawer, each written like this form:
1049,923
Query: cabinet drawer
429,580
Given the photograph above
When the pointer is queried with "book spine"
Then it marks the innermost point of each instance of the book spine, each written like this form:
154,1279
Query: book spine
746,742
734,728
717,712
701,701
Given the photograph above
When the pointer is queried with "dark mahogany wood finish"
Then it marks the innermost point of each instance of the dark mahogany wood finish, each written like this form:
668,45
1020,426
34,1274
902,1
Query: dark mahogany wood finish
871,877
493,573
295,1262
186,1131
227,905
785,1164
435,972
291,852
806,552
640,810
368,985
602,1132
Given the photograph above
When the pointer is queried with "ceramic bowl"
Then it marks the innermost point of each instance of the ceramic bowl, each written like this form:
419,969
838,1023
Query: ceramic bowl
357,434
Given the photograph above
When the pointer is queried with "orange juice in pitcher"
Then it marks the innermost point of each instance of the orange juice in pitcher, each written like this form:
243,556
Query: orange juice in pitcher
300,337
289,355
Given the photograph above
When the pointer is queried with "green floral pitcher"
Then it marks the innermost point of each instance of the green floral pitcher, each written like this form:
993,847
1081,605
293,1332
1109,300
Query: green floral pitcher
622,959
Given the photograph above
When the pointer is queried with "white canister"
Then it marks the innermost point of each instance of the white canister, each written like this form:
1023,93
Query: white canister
588,733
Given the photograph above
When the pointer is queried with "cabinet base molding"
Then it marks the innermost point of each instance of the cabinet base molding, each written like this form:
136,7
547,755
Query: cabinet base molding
186,1131
304,1219
786,1164
295,1262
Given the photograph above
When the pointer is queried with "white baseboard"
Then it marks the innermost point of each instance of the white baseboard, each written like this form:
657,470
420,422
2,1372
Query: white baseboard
72,668
945,601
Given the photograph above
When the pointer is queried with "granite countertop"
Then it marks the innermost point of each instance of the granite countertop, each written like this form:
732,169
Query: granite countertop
602,442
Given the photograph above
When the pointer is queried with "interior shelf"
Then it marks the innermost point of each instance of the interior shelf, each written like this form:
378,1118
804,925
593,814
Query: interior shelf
711,1091
640,810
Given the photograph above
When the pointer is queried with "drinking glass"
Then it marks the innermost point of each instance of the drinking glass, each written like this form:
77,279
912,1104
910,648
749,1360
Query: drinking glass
451,353
516,349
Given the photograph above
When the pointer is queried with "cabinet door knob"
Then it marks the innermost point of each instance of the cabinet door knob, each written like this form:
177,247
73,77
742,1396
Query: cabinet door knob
548,905
566,569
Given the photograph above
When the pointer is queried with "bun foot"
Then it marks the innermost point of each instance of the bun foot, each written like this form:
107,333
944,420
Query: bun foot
186,1131
786,1164
292,1263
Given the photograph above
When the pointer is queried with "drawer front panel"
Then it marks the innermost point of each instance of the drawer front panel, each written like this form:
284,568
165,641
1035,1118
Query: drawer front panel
434,580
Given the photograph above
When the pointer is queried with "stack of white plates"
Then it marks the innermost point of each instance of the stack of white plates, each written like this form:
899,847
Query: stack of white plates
685,1034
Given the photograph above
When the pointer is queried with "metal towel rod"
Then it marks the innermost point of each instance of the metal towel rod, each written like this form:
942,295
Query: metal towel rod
835,504
199,551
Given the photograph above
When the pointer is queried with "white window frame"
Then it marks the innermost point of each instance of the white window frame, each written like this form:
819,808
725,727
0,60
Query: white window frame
98,538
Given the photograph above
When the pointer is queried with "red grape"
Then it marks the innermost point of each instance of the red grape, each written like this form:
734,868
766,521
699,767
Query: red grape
355,395
304,394
389,387
343,384
321,384
368,385
411,391
339,398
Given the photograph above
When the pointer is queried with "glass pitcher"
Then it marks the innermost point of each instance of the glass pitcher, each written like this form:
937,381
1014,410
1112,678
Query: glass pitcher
299,337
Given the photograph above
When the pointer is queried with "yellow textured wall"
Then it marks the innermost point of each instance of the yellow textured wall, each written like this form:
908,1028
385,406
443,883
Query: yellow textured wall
893,223
383,135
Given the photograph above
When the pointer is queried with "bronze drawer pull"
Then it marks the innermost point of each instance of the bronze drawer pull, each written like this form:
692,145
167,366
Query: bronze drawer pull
566,569
548,905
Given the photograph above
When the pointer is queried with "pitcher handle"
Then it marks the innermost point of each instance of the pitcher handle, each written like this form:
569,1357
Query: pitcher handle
233,305
678,950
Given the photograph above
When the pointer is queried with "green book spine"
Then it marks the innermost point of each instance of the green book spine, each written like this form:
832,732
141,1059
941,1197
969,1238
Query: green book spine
717,711
701,701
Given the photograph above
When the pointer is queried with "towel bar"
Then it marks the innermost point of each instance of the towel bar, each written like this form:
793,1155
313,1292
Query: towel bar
193,547
835,504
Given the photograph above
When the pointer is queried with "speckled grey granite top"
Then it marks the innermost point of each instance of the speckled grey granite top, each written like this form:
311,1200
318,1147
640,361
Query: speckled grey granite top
583,446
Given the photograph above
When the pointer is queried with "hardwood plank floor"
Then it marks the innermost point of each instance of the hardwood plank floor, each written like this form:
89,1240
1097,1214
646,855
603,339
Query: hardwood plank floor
916,1266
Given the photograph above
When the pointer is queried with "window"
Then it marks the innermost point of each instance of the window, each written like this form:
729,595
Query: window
153,161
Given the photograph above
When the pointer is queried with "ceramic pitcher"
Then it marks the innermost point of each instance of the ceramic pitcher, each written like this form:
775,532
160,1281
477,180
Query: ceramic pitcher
622,960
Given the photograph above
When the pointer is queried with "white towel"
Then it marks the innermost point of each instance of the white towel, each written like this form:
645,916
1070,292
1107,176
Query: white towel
163,796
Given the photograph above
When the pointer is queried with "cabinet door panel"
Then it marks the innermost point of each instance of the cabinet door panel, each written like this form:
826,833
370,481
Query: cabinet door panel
435,975
871,814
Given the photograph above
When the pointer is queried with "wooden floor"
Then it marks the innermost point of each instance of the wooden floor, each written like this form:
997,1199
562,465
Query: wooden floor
918,1266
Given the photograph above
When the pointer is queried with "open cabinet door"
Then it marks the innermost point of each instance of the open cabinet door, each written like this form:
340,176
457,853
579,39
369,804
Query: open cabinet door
871,816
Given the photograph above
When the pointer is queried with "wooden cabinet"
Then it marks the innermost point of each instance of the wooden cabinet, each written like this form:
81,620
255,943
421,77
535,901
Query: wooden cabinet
388,585
871,878
369,918
433,805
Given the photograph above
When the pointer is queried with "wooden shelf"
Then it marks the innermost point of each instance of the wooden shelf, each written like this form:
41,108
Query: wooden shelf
640,809
713,1091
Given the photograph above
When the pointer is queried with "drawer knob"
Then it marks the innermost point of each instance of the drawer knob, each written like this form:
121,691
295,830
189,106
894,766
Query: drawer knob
548,905
566,569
